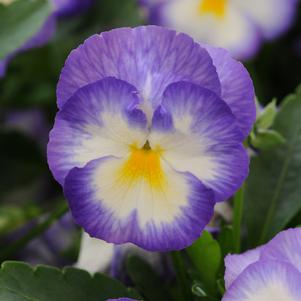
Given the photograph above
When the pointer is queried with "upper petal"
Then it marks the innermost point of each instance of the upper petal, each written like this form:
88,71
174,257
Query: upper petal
266,281
148,57
286,246
100,119
237,87
198,133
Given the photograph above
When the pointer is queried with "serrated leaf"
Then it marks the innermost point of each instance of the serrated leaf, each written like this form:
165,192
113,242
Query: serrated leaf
267,116
146,280
21,282
266,139
206,256
273,189
20,21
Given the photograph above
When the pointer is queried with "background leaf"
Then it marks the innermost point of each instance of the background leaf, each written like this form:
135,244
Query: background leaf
266,139
267,116
206,255
273,189
20,21
21,282
146,280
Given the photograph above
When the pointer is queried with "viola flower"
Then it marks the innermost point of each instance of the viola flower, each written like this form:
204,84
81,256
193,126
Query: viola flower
149,135
237,25
270,272
46,32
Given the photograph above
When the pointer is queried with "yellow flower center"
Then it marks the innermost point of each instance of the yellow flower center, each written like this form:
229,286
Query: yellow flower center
216,8
144,164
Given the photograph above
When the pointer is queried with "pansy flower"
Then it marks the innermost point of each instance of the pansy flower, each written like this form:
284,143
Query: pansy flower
270,272
149,135
237,25
46,32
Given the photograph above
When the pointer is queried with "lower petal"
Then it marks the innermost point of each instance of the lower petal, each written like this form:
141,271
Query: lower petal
159,210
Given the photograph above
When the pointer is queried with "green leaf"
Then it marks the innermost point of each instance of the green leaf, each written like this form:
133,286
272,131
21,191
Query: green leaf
273,189
12,217
146,280
226,240
205,254
267,116
21,282
266,139
20,21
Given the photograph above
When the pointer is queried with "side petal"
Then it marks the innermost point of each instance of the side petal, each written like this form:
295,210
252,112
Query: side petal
198,133
237,87
266,281
236,264
148,57
286,246
100,119
158,212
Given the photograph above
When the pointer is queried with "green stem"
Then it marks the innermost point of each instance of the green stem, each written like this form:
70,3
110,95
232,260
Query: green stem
237,218
33,233
183,281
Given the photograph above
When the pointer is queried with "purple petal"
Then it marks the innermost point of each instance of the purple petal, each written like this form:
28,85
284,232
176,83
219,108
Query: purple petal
286,246
100,119
237,87
236,264
266,281
148,57
198,134
111,206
